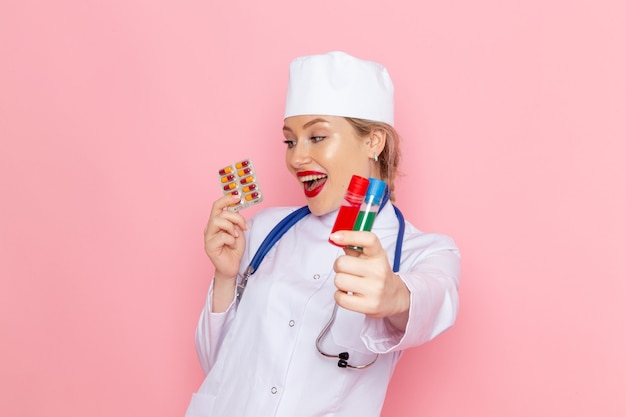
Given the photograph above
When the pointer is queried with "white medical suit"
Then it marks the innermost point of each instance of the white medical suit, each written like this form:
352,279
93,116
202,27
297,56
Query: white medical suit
260,356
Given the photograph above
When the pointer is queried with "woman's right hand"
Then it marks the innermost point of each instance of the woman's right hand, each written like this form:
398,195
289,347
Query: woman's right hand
224,241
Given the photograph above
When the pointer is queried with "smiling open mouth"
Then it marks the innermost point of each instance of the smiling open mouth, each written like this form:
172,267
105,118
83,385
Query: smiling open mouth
313,184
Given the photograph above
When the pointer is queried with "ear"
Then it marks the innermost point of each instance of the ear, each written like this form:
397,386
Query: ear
376,142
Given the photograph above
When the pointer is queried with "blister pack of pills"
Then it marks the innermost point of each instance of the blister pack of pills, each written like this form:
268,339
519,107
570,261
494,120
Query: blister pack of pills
240,179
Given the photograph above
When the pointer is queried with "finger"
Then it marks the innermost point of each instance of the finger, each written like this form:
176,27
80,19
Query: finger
216,225
363,296
367,241
352,284
221,203
352,265
222,243
217,217
352,302
234,218
363,265
220,240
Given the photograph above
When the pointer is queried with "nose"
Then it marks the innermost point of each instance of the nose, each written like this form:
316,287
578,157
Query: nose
299,154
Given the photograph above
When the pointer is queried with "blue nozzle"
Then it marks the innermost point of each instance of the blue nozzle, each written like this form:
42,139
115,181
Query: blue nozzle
375,190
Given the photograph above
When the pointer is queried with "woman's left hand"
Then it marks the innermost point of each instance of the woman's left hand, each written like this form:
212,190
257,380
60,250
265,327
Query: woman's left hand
366,283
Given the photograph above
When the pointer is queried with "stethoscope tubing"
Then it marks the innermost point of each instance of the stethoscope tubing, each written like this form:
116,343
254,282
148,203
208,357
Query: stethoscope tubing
343,356
270,240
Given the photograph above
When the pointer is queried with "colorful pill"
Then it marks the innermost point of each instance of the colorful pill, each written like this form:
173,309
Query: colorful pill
252,196
247,180
235,193
226,170
249,188
230,186
242,164
243,172
228,178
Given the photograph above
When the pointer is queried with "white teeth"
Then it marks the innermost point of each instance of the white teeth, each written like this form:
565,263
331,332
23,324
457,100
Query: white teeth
311,178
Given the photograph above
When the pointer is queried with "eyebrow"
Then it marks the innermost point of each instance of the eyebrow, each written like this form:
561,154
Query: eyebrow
307,124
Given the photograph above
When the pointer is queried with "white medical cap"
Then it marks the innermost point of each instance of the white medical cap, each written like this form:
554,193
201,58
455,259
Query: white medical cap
338,84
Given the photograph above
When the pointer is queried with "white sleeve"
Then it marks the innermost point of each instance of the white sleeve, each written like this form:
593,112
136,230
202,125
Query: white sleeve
213,327
433,284
211,330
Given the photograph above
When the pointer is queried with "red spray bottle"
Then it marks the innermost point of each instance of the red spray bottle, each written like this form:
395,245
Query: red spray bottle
351,205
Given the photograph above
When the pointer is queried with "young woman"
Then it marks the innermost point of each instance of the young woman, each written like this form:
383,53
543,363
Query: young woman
319,329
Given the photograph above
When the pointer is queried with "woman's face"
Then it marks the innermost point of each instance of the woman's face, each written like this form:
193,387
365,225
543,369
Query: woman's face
323,152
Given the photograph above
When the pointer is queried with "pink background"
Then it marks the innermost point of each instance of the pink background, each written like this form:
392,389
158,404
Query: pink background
115,116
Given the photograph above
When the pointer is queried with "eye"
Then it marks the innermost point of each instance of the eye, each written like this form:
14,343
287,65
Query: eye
316,139
290,143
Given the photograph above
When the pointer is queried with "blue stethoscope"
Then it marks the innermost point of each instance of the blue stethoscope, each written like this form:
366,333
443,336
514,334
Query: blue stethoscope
274,236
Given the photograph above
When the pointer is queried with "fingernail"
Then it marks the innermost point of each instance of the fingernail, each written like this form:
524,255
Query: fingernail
336,236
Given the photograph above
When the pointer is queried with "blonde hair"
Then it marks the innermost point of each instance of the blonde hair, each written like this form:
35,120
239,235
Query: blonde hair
389,158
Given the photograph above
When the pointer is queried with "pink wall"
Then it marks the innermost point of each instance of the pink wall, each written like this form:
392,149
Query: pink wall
114,117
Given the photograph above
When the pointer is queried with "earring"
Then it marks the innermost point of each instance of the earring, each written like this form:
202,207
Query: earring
375,157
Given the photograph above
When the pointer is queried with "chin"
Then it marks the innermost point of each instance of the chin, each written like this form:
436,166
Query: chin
318,209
